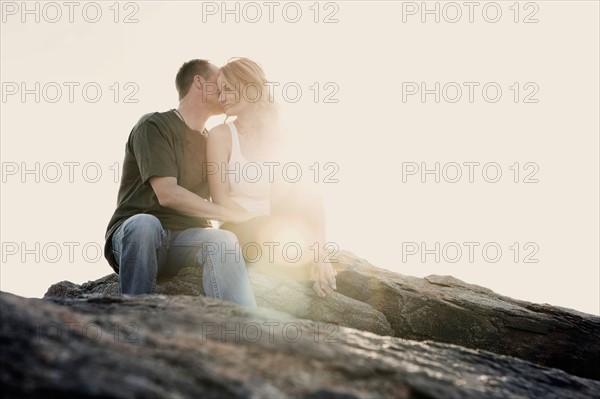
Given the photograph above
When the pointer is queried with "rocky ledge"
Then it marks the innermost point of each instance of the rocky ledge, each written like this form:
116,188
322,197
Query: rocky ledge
382,334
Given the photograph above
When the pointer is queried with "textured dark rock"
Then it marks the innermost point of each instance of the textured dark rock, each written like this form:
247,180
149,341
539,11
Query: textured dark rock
445,309
273,292
153,346
437,308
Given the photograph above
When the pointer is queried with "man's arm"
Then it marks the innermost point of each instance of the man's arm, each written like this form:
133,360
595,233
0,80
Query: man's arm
171,195
155,157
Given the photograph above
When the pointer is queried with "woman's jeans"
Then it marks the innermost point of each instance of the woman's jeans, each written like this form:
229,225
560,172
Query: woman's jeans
144,251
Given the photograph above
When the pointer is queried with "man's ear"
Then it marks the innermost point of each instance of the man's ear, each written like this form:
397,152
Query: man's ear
199,81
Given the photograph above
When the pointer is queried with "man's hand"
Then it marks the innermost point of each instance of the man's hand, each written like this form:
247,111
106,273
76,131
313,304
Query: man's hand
324,276
171,195
235,216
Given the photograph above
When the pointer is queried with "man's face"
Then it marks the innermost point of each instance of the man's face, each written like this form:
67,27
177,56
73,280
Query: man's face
210,95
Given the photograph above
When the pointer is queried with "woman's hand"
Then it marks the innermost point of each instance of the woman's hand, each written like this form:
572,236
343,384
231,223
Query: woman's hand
323,275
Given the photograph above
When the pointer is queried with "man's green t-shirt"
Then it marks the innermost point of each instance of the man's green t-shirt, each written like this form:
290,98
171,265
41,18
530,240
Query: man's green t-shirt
160,144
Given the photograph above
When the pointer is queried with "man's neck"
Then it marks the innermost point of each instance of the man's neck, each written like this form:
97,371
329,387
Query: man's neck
193,116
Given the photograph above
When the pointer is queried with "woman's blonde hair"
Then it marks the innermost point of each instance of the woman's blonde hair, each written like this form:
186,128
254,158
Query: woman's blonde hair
247,78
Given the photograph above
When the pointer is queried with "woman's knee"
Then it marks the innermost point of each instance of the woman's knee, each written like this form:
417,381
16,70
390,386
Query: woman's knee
223,236
222,241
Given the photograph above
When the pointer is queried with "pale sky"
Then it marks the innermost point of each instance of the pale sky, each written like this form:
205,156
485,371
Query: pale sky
540,132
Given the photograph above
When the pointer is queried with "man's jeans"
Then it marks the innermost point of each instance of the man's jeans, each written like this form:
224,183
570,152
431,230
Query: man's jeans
144,250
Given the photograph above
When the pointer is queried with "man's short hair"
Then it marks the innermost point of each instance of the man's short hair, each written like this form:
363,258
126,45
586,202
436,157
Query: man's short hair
185,75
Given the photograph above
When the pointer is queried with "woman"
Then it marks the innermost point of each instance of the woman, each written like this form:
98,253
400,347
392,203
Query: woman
244,151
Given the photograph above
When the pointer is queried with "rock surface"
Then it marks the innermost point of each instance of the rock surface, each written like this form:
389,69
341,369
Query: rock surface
271,292
154,346
445,309
437,308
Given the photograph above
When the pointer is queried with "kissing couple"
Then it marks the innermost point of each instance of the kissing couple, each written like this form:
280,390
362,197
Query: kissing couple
168,195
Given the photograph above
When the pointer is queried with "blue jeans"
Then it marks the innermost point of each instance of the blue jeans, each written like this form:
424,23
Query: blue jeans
144,251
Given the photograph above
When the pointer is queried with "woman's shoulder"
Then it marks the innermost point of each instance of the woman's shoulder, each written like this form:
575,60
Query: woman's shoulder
219,131
220,135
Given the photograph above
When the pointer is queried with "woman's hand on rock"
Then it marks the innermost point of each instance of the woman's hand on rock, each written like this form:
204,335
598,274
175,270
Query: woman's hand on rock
323,275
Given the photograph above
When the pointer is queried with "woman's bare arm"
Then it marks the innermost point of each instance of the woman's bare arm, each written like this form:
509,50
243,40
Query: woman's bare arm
218,151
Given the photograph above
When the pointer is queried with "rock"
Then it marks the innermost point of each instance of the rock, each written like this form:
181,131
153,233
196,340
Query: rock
271,292
152,346
291,297
437,308
445,309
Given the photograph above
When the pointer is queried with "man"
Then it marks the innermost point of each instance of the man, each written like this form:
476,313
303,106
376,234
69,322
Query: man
161,223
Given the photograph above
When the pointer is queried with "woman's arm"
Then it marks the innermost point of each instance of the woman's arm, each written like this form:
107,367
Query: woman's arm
218,150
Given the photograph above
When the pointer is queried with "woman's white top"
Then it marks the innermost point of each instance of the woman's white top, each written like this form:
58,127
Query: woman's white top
249,184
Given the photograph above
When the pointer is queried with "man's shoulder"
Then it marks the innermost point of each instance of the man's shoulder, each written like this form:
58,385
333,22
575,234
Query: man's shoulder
157,118
157,123
145,118
154,125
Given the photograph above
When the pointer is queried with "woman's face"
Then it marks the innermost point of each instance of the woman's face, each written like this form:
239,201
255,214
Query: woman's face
232,100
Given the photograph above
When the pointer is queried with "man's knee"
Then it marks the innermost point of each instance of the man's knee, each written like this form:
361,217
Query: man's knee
142,226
